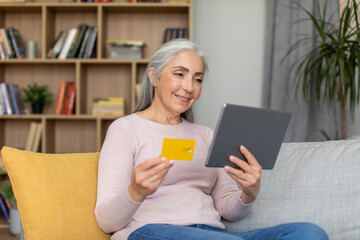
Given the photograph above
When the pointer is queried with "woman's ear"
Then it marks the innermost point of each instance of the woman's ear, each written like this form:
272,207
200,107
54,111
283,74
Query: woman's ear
150,74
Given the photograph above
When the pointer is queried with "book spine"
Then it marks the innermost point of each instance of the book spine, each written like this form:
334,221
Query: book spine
79,40
19,44
6,98
73,42
10,99
4,208
91,44
6,42
60,99
19,101
84,42
13,41
67,44
2,103
31,136
13,98
70,99
51,50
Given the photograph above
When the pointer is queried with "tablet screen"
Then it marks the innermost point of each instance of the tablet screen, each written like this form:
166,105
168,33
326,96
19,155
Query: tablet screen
260,130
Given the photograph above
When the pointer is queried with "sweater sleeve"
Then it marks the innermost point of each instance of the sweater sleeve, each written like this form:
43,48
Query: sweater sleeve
226,195
114,207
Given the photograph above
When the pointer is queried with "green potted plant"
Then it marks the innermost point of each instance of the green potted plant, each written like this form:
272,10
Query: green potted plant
38,96
330,68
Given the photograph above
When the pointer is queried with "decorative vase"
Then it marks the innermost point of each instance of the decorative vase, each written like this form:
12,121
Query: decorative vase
37,108
15,221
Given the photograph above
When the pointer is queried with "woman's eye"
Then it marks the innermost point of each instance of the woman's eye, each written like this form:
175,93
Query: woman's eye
199,80
179,74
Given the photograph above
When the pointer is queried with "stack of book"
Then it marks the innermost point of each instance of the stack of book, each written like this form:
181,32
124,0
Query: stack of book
110,106
10,99
11,44
130,49
66,98
77,42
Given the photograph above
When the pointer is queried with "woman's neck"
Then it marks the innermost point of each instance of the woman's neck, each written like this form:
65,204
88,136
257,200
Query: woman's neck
159,115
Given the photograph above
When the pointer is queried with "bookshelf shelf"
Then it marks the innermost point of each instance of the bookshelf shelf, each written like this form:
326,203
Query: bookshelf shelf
41,21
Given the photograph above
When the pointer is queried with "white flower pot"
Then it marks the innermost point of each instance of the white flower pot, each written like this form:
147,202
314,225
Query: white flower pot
15,221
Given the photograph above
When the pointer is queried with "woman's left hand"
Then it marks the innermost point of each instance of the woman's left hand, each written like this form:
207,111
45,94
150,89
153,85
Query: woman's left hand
248,175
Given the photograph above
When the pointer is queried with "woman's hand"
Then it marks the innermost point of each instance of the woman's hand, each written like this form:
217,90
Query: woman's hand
248,175
147,177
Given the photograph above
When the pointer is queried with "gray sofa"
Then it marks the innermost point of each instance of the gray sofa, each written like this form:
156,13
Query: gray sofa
317,182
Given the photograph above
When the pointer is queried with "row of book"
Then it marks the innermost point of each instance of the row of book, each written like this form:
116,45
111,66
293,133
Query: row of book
11,44
66,98
77,42
10,100
173,33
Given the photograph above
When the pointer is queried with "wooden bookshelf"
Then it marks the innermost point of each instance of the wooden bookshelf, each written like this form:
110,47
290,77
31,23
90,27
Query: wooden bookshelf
41,21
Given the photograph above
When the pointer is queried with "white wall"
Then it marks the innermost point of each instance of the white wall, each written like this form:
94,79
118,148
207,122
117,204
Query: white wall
232,35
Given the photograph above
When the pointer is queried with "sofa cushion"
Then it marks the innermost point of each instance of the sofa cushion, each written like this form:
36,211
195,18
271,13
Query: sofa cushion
56,193
317,182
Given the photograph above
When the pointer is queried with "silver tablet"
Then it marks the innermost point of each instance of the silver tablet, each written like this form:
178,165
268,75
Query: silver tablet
261,131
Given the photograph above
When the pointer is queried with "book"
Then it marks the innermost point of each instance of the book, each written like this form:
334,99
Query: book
3,52
13,98
6,98
12,104
58,45
2,104
19,101
73,53
17,42
85,41
69,99
31,136
37,138
60,99
67,44
173,33
7,43
51,50
90,46
4,208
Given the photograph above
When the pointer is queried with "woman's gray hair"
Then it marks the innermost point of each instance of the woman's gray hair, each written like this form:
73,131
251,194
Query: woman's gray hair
162,57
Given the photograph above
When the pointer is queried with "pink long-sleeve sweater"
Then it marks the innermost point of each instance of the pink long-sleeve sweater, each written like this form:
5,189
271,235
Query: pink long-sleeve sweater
190,193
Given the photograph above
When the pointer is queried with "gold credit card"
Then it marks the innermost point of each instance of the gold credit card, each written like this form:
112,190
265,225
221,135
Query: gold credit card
178,149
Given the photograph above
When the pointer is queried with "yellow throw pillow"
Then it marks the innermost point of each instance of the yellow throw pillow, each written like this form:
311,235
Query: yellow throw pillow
56,193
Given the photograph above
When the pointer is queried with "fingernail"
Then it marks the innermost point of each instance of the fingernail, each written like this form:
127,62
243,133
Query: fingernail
227,168
232,157
171,162
242,147
163,159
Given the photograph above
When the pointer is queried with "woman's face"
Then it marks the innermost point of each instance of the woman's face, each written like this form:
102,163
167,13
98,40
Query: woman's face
179,85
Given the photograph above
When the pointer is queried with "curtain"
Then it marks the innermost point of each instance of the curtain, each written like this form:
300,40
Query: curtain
285,26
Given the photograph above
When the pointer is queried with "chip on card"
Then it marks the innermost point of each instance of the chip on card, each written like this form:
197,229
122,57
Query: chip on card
178,149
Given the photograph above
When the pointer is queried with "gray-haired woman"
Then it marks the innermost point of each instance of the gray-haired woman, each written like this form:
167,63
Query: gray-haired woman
143,196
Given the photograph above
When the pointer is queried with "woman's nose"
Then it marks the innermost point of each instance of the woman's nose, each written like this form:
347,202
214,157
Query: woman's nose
188,85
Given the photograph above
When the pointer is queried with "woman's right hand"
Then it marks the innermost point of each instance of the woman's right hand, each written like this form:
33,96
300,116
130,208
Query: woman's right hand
147,177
